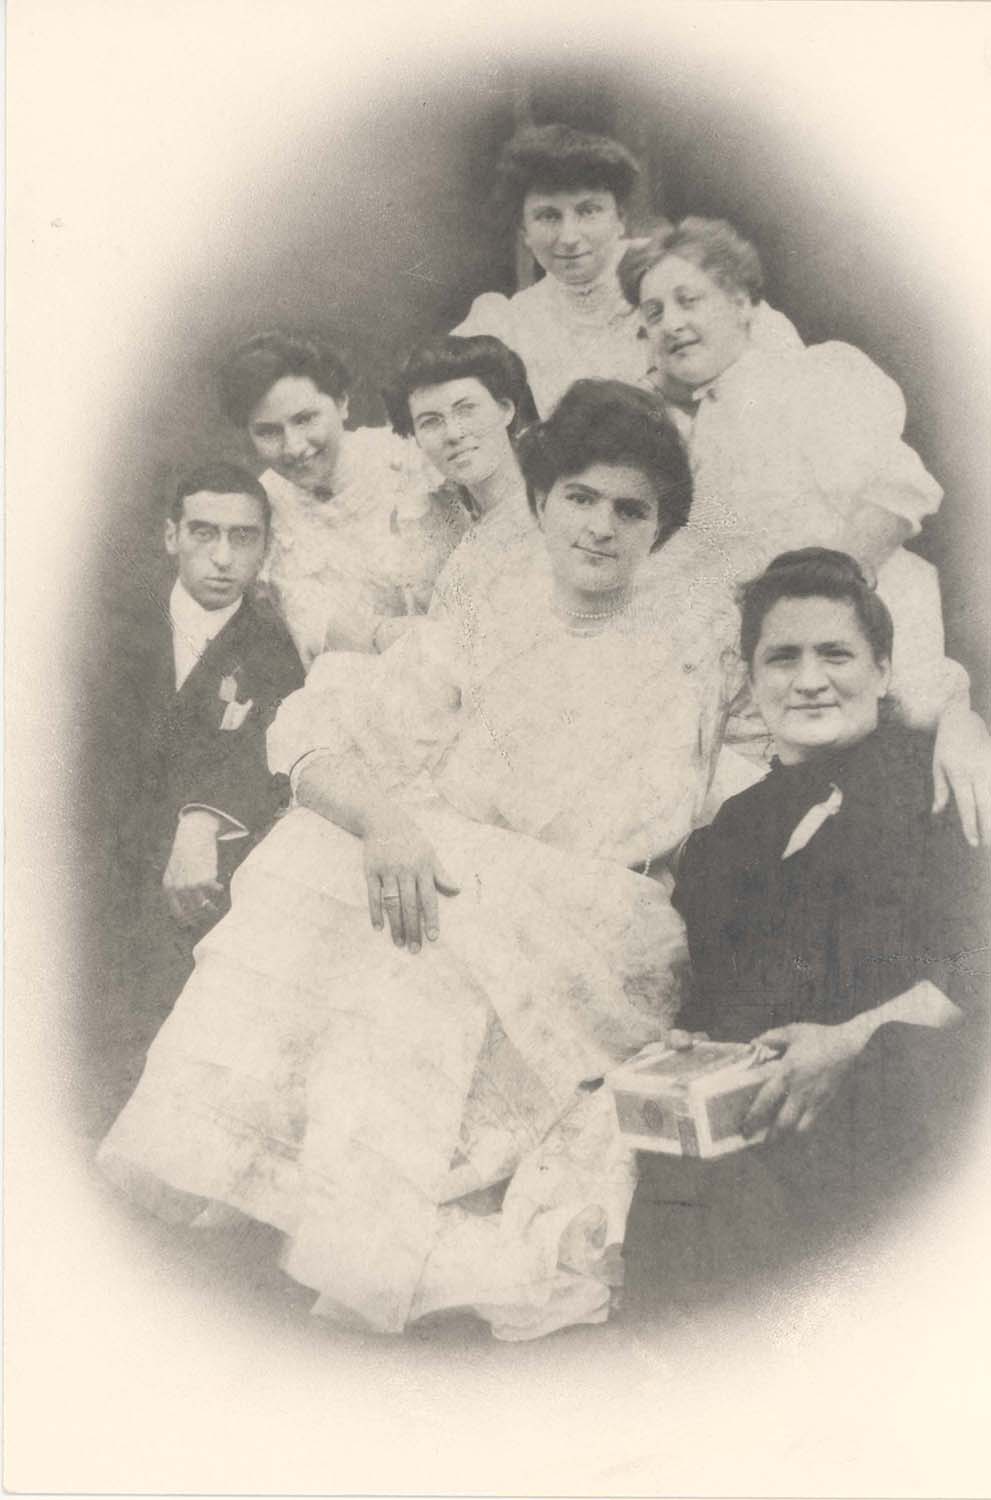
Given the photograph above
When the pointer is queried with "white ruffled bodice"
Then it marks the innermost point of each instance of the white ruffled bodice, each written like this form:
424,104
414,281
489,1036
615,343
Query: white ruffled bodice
602,743
337,566
563,333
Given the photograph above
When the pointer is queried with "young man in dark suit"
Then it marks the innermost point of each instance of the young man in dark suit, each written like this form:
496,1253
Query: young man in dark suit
197,682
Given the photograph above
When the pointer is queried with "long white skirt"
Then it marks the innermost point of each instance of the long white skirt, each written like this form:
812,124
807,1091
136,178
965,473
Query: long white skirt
373,1104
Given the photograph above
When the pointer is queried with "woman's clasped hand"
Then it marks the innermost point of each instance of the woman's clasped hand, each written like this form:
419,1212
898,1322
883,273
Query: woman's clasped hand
814,1061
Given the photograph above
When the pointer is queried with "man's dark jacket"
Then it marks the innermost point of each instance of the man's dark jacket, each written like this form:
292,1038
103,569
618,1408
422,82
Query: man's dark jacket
153,752
173,751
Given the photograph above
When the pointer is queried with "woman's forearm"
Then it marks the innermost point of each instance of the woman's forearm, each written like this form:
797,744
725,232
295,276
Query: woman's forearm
342,793
816,1057
922,1005
402,871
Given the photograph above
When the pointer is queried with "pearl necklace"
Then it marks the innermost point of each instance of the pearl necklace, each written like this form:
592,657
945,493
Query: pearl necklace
591,614
602,614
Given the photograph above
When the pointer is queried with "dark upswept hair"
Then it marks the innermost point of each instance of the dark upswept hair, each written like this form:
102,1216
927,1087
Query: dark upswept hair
561,159
608,422
254,365
814,573
219,478
711,244
449,357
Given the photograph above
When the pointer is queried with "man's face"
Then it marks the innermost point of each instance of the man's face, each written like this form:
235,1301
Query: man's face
219,544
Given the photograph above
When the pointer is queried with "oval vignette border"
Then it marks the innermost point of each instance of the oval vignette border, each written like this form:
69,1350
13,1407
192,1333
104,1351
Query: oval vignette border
123,389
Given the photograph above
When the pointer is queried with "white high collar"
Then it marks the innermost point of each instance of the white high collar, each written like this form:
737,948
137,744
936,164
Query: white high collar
193,628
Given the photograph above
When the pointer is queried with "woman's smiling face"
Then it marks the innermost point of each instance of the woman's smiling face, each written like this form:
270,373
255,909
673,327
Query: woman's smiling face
695,329
462,428
815,678
572,235
598,527
297,429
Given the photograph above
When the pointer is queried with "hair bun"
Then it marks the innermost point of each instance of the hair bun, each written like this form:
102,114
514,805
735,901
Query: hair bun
813,572
841,565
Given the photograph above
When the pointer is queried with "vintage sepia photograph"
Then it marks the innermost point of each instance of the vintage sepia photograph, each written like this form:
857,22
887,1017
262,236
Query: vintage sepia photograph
499,776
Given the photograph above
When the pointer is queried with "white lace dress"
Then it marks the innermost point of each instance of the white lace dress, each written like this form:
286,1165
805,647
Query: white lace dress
337,567
422,1128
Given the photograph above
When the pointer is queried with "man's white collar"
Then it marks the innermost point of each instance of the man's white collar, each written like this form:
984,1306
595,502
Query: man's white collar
193,628
187,613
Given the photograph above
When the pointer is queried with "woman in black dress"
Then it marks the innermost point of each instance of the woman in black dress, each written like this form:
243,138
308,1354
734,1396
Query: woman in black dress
833,916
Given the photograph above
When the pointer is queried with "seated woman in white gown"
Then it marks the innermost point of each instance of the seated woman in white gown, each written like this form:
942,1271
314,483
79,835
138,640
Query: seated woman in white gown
360,527
421,1128
565,192
791,448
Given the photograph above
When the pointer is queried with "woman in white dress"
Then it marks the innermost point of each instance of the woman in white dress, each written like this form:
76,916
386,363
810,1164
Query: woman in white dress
566,193
796,447
360,527
464,401
425,1129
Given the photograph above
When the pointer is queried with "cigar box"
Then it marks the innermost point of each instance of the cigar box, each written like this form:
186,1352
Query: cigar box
689,1102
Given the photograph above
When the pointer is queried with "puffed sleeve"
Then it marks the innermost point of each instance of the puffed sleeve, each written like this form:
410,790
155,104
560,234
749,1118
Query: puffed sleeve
772,331
851,421
396,712
491,314
924,680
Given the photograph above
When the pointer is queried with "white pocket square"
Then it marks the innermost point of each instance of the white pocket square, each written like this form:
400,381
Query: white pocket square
813,821
235,714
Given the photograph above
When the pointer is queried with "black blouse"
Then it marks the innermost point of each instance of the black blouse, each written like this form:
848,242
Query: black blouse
881,896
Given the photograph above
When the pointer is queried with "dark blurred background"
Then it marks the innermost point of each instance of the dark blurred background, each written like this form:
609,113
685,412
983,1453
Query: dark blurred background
375,230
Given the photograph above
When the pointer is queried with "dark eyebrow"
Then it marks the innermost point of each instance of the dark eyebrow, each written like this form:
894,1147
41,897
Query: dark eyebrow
586,489
219,526
294,416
